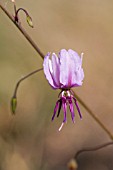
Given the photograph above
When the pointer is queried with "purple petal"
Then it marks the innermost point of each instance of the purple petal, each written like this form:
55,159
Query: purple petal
76,58
76,69
71,72
56,71
65,69
48,69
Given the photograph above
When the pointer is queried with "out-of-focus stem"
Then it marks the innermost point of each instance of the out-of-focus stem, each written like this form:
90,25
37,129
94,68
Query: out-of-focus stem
94,116
90,149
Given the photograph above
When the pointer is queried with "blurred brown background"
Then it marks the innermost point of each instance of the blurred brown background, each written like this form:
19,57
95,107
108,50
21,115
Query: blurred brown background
28,140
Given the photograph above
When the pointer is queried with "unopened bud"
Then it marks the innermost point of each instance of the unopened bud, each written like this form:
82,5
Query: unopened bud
13,105
29,21
72,164
13,1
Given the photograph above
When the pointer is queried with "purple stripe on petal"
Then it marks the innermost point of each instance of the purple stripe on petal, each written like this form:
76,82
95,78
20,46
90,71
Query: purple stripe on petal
46,66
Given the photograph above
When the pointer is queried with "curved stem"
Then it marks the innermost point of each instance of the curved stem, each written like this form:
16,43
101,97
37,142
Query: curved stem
22,10
23,32
14,97
90,149
94,116
23,78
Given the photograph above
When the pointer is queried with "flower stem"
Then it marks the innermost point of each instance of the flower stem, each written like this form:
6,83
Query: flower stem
23,32
94,116
14,97
89,149
23,78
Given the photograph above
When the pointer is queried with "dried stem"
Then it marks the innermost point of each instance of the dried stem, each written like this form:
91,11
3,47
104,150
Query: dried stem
94,116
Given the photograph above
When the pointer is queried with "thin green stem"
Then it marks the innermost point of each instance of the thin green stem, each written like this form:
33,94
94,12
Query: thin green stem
94,116
23,78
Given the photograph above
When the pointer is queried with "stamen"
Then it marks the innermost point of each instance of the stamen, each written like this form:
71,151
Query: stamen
61,126
68,93
64,105
55,109
78,109
71,109
59,109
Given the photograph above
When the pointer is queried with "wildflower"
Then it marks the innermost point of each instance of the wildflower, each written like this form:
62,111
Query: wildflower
64,72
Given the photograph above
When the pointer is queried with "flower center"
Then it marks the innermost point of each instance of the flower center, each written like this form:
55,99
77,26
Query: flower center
65,93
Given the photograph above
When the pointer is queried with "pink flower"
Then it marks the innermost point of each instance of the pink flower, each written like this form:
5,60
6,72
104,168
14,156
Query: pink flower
64,72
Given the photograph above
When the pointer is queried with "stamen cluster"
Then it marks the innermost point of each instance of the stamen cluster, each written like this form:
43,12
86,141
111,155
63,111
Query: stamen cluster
66,98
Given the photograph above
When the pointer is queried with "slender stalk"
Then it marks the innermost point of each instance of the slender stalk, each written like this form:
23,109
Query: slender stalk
14,97
94,116
23,31
23,78
90,149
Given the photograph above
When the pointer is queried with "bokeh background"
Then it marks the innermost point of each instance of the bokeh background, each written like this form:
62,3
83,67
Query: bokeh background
29,140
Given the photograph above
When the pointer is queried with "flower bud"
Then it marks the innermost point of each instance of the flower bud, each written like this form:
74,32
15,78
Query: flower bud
29,21
72,164
13,104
